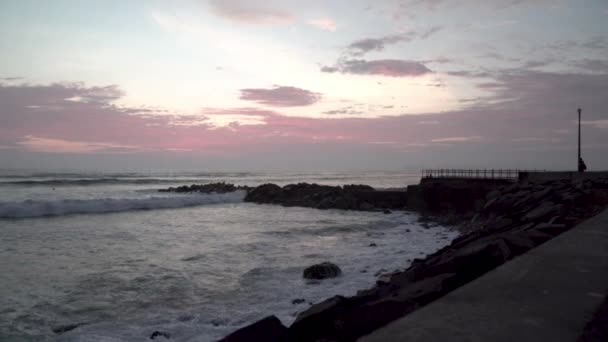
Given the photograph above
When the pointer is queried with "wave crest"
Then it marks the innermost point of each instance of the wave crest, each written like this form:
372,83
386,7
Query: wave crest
32,208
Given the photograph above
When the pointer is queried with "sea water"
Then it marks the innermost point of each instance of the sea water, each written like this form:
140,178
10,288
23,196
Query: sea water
110,254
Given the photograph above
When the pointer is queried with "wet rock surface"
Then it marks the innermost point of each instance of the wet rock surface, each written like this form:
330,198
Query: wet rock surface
502,222
347,197
269,329
350,197
65,328
322,271
218,188
160,335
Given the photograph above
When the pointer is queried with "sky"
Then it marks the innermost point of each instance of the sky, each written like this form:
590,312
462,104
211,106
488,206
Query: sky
290,85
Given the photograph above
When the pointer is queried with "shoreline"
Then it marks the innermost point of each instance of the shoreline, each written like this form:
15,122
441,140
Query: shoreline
498,221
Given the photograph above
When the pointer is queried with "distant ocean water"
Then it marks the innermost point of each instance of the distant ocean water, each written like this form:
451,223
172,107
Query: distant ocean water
110,253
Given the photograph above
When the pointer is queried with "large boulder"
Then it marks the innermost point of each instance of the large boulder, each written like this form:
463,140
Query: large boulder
265,193
269,329
209,188
322,271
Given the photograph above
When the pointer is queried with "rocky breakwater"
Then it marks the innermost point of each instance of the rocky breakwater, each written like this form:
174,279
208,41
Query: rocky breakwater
451,201
349,197
510,221
218,188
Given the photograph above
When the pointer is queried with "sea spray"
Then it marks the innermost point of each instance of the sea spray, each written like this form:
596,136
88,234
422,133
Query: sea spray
61,207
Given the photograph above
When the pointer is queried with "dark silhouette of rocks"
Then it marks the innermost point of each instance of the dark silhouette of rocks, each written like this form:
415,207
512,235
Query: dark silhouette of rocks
503,220
322,271
350,197
65,328
218,188
347,197
269,329
298,301
158,334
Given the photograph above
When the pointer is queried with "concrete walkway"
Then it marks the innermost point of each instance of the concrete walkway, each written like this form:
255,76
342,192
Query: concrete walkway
547,294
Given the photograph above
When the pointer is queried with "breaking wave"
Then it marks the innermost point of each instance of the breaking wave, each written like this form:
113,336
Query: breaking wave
102,181
32,208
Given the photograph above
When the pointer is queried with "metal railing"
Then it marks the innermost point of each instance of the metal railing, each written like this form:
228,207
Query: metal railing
512,174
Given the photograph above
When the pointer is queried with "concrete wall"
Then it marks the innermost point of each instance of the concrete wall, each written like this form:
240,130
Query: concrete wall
559,175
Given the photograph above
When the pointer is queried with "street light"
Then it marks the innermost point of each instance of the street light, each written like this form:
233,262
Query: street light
581,164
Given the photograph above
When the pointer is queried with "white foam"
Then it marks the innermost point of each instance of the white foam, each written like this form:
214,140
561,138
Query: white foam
34,208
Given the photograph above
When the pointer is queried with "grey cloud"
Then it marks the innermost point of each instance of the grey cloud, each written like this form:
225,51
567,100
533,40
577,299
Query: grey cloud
469,74
384,67
11,78
281,96
361,47
329,69
426,34
344,111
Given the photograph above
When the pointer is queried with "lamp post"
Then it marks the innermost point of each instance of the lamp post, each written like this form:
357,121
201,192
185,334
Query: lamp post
581,164
579,140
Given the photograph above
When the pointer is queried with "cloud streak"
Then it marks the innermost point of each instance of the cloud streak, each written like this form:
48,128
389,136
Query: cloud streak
281,96
382,67
360,47
248,12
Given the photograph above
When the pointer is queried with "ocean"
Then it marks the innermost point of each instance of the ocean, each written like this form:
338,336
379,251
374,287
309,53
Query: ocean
109,253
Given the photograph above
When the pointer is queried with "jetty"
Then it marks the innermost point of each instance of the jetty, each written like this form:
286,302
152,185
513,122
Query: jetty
547,294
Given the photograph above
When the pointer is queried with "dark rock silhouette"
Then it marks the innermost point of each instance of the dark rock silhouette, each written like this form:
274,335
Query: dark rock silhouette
158,334
322,271
269,329
219,188
350,197
65,328
503,221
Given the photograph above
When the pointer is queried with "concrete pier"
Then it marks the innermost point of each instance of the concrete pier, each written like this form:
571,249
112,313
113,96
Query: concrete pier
547,294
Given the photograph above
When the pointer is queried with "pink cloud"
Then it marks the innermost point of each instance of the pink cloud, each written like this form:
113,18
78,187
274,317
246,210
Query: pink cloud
40,118
280,96
39,144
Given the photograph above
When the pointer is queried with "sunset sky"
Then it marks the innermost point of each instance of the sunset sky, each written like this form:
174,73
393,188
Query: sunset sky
302,85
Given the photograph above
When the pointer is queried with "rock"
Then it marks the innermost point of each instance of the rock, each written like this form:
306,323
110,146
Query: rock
265,193
269,329
386,278
298,301
516,218
157,334
322,271
65,328
358,187
380,272
219,188
542,211
366,206
373,245
552,229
